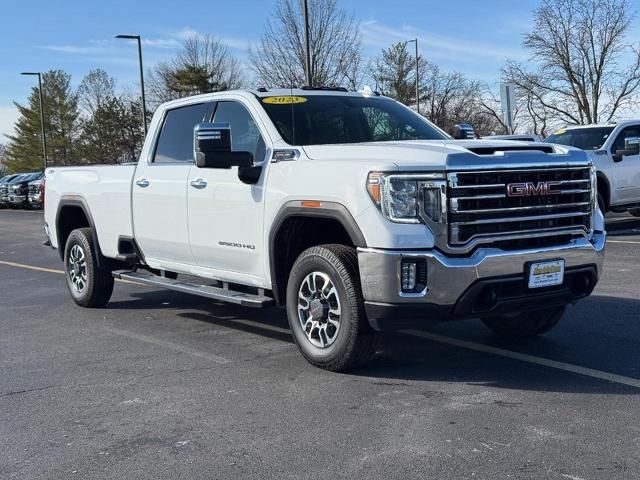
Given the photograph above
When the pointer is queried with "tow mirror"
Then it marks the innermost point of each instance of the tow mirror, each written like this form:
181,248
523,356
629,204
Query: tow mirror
212,147
632,146
463,131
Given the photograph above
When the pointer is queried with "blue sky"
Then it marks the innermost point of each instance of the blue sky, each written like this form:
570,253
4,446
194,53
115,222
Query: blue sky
473,37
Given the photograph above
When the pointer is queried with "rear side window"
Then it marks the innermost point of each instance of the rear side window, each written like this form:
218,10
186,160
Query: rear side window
175,143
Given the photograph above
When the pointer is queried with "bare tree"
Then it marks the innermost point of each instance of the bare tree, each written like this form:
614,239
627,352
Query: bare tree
336,57
579,47
202,65
94,89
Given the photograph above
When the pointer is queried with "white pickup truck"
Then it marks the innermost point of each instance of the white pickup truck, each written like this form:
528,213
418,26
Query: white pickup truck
615,151
348,209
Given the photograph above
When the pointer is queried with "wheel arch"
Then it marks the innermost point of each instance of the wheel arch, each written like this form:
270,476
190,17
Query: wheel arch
604,187
73,212
332,223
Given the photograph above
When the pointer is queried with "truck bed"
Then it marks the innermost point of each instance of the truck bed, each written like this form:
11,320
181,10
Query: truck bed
106,191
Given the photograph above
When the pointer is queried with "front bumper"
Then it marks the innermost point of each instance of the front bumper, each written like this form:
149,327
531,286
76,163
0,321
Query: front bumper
489,282
17,199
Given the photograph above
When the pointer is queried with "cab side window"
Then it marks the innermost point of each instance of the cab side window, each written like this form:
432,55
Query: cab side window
245,136
175,143
626,133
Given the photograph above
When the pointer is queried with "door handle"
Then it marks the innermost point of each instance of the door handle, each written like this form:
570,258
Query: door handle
142,182
198,183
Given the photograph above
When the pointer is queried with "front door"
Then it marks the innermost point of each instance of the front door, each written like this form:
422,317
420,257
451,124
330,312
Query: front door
626,173
160,190
226,215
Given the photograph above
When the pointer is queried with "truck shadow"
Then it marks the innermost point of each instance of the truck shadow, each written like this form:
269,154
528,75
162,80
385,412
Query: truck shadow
601,333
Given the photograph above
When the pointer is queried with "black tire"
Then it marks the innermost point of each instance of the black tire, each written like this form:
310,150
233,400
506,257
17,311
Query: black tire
354,341
97,287
527,324
601,203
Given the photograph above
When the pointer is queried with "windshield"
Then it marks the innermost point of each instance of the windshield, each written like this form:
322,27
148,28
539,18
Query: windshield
582,138
327,119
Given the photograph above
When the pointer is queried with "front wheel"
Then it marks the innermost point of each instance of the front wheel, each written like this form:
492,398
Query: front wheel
527,324
326,309
89,281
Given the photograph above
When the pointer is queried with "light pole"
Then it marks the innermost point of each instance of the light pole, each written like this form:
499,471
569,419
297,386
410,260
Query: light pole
415,40
144,105
44,139
307,40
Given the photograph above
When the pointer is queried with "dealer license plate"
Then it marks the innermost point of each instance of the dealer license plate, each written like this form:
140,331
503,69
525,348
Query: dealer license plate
546,274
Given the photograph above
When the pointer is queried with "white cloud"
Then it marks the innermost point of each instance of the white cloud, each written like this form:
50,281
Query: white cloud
75,49
8,117
376,34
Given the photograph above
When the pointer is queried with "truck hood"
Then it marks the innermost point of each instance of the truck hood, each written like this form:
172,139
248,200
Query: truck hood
437,155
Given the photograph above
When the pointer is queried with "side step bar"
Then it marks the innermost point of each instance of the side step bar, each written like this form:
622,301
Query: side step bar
215,293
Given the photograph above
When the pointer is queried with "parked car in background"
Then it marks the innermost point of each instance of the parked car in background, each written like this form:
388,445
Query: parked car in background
18,189
4,182
35,195
519,138
615,151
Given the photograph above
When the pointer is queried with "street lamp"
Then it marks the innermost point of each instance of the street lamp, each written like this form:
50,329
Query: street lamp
144,106
44,139
307,40
415,40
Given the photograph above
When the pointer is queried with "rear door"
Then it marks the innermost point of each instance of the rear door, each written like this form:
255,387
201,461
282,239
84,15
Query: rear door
626,173
159,194
226,215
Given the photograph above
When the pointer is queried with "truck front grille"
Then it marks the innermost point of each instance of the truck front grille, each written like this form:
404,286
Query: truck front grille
33,189
495,206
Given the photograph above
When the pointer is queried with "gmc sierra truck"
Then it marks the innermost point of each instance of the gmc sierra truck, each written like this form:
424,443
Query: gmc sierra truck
615,151
347,208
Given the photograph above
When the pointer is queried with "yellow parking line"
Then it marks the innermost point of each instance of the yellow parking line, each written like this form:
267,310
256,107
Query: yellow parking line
51,270
31,267
523,357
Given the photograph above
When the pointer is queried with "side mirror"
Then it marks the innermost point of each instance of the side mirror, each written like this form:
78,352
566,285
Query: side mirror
632,146
463,131
212,147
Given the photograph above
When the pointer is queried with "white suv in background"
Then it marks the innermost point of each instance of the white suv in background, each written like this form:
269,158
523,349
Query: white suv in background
614,149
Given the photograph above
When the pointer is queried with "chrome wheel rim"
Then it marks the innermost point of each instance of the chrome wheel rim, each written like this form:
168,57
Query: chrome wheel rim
77,268
319,310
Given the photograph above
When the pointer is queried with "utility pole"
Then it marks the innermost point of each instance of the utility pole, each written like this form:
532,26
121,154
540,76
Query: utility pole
144,104
44,139
415,40
307,50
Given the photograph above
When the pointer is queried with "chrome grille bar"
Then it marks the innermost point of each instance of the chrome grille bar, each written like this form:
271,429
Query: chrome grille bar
481,211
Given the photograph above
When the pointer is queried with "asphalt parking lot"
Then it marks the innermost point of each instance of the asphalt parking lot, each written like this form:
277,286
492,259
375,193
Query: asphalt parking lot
164,385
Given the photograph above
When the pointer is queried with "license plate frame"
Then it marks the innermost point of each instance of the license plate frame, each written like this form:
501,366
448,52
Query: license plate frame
548,273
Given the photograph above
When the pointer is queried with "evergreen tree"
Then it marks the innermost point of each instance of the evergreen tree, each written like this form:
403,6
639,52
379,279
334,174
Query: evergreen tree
112,134
394,73
61,122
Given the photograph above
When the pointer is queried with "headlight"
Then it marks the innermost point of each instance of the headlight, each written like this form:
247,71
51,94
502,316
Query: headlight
406,198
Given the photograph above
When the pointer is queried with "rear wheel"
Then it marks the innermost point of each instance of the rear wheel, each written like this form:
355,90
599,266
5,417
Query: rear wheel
526,324
89,281
326,309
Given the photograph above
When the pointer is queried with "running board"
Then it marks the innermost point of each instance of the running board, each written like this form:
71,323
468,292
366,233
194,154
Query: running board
208,291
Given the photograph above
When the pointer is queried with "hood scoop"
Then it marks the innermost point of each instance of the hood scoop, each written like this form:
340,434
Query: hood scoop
514,148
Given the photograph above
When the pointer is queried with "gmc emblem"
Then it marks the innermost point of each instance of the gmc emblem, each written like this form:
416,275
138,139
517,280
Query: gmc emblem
531,189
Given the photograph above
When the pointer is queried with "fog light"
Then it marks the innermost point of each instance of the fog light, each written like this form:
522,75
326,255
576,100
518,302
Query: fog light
409,270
